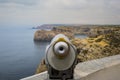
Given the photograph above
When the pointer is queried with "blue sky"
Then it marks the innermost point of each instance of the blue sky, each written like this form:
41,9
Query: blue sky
36,12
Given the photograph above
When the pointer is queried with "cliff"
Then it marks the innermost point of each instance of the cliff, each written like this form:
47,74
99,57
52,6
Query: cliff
44,35
89,30
100,46
91,48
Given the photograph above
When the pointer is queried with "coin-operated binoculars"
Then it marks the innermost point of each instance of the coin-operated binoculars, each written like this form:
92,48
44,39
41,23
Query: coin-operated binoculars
61,58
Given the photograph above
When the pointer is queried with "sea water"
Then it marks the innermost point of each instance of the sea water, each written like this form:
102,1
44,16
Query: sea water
19,54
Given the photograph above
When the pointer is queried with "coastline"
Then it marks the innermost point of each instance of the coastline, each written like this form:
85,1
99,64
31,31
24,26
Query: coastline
95,46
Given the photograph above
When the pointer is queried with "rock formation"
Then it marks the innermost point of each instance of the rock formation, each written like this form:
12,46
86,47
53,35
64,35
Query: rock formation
102,45
44,35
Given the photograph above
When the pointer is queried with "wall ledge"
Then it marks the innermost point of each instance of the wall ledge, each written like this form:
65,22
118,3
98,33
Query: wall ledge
107,68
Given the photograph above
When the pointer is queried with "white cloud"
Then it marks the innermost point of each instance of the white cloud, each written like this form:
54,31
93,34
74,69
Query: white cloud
59,11
22,2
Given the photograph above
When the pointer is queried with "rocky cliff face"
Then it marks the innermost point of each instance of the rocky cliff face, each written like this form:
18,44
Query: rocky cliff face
96,31
43,35
91,48
91,31
100,46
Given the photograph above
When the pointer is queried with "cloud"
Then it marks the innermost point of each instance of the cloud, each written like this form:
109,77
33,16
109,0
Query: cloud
24,2
35,12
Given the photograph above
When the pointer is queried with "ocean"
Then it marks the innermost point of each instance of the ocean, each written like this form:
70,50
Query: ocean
19,54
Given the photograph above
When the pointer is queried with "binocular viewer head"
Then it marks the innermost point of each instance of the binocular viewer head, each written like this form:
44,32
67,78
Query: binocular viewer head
61,49
60,56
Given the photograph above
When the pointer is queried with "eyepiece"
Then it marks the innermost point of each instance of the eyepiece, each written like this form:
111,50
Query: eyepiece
61,49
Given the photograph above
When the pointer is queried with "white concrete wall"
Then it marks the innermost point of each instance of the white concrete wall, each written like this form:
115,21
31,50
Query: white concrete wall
100,69
109,73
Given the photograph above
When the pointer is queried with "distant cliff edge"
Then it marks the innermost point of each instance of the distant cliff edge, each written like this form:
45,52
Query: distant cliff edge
102,42
45,35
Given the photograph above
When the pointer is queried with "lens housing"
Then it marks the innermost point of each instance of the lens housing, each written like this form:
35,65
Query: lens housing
61,49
